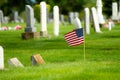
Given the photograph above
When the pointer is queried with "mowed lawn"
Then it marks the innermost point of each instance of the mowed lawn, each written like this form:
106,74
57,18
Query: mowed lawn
62,61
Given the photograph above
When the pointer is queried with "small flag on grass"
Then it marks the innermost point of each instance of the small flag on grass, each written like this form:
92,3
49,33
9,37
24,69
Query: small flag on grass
75,37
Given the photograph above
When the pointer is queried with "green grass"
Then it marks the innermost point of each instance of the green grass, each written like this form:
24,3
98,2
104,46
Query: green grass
63,62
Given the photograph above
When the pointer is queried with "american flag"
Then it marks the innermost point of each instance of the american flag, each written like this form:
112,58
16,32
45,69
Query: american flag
75,37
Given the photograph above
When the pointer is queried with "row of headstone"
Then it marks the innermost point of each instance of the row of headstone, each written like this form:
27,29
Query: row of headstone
16,17
44,31
5,19
87,20
96,13
97,17
14,62
114,11
95,20
30,29
72,16
35,60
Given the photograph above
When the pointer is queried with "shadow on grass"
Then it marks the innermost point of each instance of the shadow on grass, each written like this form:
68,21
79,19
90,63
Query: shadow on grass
111,36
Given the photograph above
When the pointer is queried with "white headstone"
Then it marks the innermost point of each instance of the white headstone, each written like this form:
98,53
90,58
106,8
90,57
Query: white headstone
0,24
15,62
6,19
71,17
62,19
78,23
1,58
30,24
87,20
48,19
43,16
109,26
15,13
95,20
99,12
76,14
1,17
56,20
119,15
114,11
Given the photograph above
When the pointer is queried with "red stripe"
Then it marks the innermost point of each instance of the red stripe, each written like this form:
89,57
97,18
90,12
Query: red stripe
75,44
75,41
70,32
72,38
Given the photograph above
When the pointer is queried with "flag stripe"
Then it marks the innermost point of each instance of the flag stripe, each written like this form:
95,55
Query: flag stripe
75,44
75,37
79,41
75,40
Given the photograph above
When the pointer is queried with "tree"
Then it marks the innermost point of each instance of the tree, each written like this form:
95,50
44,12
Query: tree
11,5
68,5
65,5
107,6
2,1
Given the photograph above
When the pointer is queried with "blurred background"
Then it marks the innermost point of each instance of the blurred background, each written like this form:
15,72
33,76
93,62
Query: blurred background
65,6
